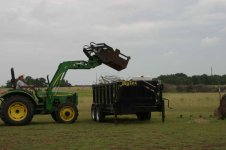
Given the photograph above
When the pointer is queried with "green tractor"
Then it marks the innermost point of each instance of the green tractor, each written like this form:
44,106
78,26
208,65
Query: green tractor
18,106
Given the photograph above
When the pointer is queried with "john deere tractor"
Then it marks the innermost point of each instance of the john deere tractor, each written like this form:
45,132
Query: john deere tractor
18,106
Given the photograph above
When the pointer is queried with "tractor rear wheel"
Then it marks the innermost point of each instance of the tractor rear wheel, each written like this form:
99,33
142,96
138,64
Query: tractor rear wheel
66,113
17,110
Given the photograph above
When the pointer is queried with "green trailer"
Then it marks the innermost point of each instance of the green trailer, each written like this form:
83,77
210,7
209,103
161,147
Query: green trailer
18,106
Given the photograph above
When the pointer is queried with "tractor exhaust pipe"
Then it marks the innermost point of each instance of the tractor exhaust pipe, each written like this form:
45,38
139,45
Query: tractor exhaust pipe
13,79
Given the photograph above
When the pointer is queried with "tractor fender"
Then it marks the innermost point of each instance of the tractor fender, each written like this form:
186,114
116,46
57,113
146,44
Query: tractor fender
25,93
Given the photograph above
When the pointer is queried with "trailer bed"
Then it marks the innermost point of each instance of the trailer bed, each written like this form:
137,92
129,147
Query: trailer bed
127,97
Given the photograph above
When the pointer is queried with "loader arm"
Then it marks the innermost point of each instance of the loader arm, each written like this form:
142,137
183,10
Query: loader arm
97,54
67,65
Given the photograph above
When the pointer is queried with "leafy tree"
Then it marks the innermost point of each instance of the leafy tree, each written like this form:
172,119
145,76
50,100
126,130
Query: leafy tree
183,79
29,80
205,79
38,82
65,83
223,80
8,84
195,80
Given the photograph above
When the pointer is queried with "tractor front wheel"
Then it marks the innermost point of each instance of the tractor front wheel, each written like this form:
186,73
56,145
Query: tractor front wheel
66,113
17,110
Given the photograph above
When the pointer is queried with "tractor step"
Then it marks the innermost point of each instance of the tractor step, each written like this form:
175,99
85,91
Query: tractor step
40,109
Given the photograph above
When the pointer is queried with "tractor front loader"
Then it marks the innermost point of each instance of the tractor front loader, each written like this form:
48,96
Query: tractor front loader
18,106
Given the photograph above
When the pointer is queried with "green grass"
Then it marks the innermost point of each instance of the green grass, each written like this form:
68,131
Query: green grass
189,125
82,91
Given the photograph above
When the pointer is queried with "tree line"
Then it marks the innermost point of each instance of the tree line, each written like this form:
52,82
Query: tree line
180,82
183,79
177,79
39,82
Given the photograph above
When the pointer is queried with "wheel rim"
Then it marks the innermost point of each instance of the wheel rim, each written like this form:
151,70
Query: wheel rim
67,113
17,111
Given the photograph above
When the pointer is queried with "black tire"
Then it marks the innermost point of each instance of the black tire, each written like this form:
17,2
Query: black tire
17,110
144,116
66,113
93,113
100,116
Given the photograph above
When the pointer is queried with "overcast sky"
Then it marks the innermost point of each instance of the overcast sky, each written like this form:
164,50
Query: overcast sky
161,36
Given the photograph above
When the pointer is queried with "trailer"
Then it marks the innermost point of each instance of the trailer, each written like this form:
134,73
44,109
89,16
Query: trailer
127,97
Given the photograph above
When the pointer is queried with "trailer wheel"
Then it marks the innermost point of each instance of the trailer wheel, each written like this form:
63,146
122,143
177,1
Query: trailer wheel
100,116
17,110
93,113
144,116
66,113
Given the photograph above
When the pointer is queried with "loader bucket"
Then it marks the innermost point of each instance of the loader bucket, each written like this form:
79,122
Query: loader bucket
107,55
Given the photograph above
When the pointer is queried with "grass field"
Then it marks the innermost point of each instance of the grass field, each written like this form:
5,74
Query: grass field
189,125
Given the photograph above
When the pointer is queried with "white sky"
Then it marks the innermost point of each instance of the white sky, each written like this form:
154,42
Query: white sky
161,36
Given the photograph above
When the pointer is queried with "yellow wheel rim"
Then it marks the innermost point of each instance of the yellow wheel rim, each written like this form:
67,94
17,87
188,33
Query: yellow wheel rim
17,111
67,113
